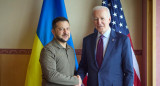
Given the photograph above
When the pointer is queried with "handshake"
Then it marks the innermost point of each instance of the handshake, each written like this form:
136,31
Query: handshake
80,81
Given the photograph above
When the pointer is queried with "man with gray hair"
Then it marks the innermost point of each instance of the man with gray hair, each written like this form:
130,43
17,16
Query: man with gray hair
106,54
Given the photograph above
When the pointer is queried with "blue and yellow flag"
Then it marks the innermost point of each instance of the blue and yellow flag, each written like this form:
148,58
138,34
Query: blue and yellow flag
50,10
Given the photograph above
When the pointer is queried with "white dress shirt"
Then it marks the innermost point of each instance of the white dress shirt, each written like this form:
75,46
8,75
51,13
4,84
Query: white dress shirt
105,40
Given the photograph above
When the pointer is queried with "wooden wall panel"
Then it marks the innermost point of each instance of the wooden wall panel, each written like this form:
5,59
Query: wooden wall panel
13,69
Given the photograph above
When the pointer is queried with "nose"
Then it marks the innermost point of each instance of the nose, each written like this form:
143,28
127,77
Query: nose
65,30
98,21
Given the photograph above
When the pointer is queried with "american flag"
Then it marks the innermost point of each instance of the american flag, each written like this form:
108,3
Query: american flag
118,24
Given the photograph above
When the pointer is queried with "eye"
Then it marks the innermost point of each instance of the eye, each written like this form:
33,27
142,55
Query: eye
61,29
102,18
68,28
95,19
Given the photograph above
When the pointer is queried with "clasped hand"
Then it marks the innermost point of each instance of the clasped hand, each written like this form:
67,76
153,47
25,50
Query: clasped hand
80,81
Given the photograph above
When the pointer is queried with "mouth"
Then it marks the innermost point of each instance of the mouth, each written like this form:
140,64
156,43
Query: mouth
65,35
99,26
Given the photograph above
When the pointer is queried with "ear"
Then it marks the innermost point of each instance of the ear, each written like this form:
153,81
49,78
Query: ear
53,31
110,19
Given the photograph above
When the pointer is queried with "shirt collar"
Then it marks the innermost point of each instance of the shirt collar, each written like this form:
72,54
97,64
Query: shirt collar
106,34
58,45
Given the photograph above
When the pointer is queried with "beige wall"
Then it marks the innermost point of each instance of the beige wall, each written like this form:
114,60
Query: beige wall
133,13
158,42
19,19
18,22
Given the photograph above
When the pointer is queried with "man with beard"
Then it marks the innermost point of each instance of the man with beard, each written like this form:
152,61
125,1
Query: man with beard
57,57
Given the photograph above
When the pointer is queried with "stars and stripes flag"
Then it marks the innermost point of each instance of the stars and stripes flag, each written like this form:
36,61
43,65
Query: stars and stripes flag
118,24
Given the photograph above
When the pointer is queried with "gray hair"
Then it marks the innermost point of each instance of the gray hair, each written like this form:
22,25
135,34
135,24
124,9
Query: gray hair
99,8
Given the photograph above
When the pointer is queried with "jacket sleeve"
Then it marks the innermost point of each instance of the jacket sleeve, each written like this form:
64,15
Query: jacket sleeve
127,63
48,65
83,66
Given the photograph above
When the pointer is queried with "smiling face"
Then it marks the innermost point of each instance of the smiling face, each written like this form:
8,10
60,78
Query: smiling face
101,20
62,31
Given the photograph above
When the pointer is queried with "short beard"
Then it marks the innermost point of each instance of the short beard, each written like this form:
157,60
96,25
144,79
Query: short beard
60,39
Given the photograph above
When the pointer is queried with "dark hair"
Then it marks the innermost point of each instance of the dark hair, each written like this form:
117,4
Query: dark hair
57,20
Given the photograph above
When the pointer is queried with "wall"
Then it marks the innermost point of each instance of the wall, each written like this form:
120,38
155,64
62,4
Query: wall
18,23
13,69
19,19
157,43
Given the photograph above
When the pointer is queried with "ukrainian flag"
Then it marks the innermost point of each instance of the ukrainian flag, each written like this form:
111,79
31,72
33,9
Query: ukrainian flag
50,10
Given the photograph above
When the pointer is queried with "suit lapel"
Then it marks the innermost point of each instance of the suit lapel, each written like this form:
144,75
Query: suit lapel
111,44
93,47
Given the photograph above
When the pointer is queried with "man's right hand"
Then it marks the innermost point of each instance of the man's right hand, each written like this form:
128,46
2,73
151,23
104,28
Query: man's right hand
80,81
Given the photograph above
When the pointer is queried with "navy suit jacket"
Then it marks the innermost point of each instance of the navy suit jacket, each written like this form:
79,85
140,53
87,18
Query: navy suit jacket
117,65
